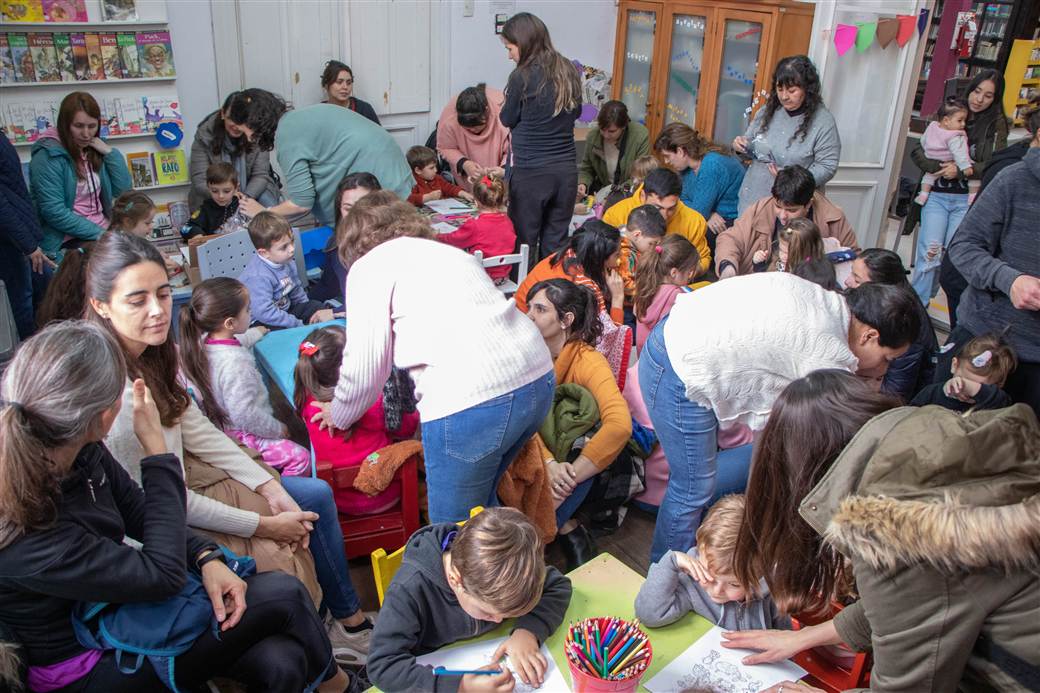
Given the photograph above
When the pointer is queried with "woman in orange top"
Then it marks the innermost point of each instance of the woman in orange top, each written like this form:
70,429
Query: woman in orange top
567,316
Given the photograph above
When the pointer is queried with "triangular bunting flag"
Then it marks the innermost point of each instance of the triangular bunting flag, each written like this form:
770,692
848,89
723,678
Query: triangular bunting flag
844,38
865,35
922,22
906,28
887,30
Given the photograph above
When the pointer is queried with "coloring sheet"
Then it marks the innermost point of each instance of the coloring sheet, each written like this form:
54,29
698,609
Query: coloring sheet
478,654
444,227
707,665
448,206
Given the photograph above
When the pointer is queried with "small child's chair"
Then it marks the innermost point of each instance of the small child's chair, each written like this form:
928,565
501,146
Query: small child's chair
824,671
384,566
521,259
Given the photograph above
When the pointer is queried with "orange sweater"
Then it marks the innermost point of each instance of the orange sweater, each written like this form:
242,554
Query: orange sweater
546,270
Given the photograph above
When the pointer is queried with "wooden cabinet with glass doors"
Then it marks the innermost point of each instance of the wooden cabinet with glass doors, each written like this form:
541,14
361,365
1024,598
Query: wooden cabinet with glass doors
703,63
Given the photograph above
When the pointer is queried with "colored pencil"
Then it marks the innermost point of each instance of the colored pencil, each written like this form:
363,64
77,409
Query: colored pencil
441,671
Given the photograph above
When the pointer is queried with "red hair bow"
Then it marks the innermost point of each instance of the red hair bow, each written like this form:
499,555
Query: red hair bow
308,349
486,180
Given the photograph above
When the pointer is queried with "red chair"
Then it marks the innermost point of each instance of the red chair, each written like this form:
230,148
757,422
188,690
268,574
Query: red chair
826,673
388,530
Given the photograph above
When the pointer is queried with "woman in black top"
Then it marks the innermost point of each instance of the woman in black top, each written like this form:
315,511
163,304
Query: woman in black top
338,82
543,99
66,506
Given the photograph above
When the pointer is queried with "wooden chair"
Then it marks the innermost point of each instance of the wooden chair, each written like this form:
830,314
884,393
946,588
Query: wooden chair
824,672
521,259
384,565
367,533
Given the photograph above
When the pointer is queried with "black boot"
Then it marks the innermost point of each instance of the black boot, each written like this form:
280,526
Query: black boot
578,547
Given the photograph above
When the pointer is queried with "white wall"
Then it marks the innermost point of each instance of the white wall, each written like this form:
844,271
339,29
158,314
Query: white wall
191,33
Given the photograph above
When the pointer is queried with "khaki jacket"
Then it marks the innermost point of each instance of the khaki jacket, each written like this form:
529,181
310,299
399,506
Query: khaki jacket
753,230
945,546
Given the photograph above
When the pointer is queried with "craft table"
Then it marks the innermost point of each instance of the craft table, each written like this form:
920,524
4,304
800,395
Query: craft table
278,351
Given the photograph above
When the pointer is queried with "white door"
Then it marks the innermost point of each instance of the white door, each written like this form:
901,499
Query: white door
870,96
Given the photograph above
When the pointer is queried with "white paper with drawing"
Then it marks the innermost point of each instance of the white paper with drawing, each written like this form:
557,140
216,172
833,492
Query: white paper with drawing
478,654
707,665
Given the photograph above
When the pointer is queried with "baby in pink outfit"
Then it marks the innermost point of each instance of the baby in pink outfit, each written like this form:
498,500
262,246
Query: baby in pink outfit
944,140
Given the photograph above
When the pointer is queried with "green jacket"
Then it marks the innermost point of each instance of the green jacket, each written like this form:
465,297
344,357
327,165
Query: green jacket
593,168
939,514
574,412
52,186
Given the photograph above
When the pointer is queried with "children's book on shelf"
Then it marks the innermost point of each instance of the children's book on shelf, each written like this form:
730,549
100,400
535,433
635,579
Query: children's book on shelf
140,165
110,57
64,11
162,227
63,53
170,167
45,62
80,65
7,75
95,64
128,56
156,54
21,10
118,10
158,110
22,59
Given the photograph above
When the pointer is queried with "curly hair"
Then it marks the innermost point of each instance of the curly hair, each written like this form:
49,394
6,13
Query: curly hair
260,111
795,71
378,217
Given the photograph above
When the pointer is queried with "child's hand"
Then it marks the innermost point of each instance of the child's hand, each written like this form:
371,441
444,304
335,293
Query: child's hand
695,568
466,196
435,195
962,389
525,654
500,683
759,257
323,315
263,330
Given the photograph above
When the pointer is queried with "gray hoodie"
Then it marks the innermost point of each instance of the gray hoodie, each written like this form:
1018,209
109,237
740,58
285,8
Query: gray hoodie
421,614
669,594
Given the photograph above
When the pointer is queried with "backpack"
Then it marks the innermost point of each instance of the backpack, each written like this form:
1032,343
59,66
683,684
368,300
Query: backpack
158,631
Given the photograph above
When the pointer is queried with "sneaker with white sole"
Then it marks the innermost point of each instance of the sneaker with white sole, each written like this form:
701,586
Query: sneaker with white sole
348,649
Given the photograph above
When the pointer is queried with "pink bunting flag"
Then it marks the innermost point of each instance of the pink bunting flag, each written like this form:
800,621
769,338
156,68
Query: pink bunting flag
844,37
907,24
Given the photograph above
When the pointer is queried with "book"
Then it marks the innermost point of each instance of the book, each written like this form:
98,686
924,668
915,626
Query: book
128,55
63,53
156,53
22,58
7,75
64,11
159,110
45,62
110,57
79,56
141,172
118,10
21,10
95,65
170,167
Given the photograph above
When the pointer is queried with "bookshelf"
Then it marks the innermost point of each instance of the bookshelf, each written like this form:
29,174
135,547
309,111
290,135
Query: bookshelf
1021,77
67,86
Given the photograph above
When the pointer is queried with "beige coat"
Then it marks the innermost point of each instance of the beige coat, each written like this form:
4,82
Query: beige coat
939,514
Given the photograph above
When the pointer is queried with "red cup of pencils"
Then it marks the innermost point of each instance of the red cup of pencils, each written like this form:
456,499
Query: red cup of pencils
607,654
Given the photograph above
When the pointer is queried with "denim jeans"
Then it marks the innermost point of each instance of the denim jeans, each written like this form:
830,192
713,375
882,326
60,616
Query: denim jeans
571,504
687,433
330,561
25,288
468,452
940,217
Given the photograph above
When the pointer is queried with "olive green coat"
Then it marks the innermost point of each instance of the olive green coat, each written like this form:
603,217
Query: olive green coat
592,171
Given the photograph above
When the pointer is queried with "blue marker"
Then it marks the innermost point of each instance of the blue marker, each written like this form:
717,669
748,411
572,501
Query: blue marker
441,671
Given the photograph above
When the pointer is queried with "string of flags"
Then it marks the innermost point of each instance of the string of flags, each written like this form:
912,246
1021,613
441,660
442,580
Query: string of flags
863,34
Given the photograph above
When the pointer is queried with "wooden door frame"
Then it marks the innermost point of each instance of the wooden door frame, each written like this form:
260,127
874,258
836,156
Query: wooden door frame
704,87
767,17
621,37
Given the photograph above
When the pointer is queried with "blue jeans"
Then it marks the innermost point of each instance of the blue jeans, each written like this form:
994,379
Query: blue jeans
687,435
940,217
468,452
330,561
25,288
571,504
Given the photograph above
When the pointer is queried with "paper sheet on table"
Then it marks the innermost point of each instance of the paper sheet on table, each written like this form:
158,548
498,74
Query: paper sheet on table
444,227
478,654
450,206
707,665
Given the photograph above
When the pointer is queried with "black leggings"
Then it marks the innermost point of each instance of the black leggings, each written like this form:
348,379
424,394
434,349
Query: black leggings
541,204
279,645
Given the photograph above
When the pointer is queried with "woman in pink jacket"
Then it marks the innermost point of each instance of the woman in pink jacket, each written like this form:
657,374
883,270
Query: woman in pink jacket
470,136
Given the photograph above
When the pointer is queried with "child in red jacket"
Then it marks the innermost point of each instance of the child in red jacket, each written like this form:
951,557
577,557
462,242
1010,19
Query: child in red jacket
491,231
429,185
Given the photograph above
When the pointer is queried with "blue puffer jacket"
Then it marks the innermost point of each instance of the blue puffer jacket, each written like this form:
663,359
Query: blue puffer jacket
52,177
18,224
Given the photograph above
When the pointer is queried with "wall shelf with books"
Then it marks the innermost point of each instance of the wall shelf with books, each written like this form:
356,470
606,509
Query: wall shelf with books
164,186
129,136
72,26
84,84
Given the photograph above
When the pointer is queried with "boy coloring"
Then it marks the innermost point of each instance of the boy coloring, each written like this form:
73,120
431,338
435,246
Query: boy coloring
276,296
428,185
458,582
643,230
702,580
222,183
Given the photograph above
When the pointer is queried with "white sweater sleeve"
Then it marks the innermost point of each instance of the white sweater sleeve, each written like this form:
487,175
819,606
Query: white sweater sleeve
211,514
209,444
243,395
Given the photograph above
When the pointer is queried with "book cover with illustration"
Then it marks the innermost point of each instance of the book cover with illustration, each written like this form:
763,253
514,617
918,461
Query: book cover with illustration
156,54
80,65
159,110
45,62
21,58
118,10
64,11
141,173
7,75
128,55
110,57
170,167
63,53
95,65
21,10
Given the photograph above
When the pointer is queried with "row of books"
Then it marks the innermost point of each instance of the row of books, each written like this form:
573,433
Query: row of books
65,11
167,167
78,57
25,121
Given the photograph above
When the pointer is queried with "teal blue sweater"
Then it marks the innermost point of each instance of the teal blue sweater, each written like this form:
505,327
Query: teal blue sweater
318,145
715,188
52,185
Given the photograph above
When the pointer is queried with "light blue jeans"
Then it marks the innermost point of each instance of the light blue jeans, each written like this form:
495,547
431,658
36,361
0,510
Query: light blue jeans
940,217
466,453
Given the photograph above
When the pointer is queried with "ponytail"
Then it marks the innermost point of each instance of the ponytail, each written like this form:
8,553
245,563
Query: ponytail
804,243
568,297
652,268
212,302
317,368
490,191
66,296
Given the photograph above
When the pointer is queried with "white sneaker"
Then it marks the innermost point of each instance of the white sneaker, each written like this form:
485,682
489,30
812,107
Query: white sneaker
348,649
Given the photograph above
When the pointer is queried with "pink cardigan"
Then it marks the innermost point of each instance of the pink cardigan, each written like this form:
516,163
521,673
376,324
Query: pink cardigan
487,149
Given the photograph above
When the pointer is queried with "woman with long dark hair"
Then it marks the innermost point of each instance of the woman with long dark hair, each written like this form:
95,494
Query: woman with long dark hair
543,99
794,127
337,79
611,148
470,136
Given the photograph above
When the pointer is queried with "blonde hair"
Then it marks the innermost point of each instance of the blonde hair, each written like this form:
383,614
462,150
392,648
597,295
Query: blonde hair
1000,363
378,217
641,168
717,535
499,558
804,242
490,191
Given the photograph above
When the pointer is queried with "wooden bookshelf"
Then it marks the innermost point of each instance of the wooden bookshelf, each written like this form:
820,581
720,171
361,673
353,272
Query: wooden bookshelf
1024,60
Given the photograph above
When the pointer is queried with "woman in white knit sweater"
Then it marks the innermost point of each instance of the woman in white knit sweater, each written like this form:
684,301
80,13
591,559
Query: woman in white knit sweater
725,352
483,375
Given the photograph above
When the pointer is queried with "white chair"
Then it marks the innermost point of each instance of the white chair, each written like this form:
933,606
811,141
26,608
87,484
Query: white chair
228,255
508,287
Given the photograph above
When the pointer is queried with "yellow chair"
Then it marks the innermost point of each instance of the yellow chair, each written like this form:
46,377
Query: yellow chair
384,565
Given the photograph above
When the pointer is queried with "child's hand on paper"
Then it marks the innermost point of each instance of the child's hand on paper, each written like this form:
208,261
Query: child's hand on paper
694,567
525,654
478,683
466,196
435,195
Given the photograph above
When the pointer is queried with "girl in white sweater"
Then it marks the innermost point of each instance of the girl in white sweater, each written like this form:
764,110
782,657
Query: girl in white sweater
215,349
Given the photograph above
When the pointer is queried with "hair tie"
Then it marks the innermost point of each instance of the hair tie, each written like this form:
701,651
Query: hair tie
129,205
983,359
658,249
81,251
308,348
486,180
17,406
